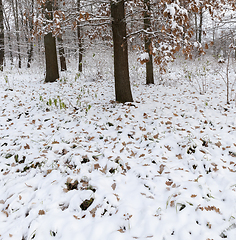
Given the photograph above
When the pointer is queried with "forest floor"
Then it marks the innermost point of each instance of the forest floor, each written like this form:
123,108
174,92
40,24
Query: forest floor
74,164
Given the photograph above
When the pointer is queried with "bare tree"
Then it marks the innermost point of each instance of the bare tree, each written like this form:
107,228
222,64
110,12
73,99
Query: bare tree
79,39
30,42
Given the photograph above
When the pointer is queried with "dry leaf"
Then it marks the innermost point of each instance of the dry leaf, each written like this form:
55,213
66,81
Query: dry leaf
142,155
203,151
93,211
6,173
117,197
168,147
20,197
113,186
27,146
162,167
91,138
193,195
5,213
104,170
64,151
156,136
208,225
127,166
168,183
179,156
96,166
218,144
41,212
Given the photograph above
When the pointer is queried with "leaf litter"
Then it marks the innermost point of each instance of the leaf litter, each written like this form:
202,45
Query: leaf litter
162,167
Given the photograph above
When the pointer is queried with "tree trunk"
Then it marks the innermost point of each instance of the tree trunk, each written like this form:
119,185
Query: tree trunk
148,43
200,24
30,45
60,43
52,73
196,26
8,29
79,39
1,37
121,67
16,18
30,54
10,47
61,53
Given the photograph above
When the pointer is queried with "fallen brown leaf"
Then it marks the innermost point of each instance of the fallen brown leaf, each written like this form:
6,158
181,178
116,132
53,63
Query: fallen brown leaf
41,212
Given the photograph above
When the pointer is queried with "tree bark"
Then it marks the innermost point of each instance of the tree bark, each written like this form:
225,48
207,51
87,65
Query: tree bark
1,37
52,72
200,24
80,67
30,54
148,43
61,53
121,67
16,18
8,29
30,45
196,26
60,45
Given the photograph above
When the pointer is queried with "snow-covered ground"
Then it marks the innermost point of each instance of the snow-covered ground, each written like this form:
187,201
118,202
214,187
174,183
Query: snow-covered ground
74,164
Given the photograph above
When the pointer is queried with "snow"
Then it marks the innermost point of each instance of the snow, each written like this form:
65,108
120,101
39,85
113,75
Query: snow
162,167
144,56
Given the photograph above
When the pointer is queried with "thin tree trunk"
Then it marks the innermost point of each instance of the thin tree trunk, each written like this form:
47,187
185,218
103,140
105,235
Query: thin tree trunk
30,54
1,37
30,45
121,67
7,26
200,24
79,40
196,26
16,17
60,43
148,43
10,47
61,53
52,73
